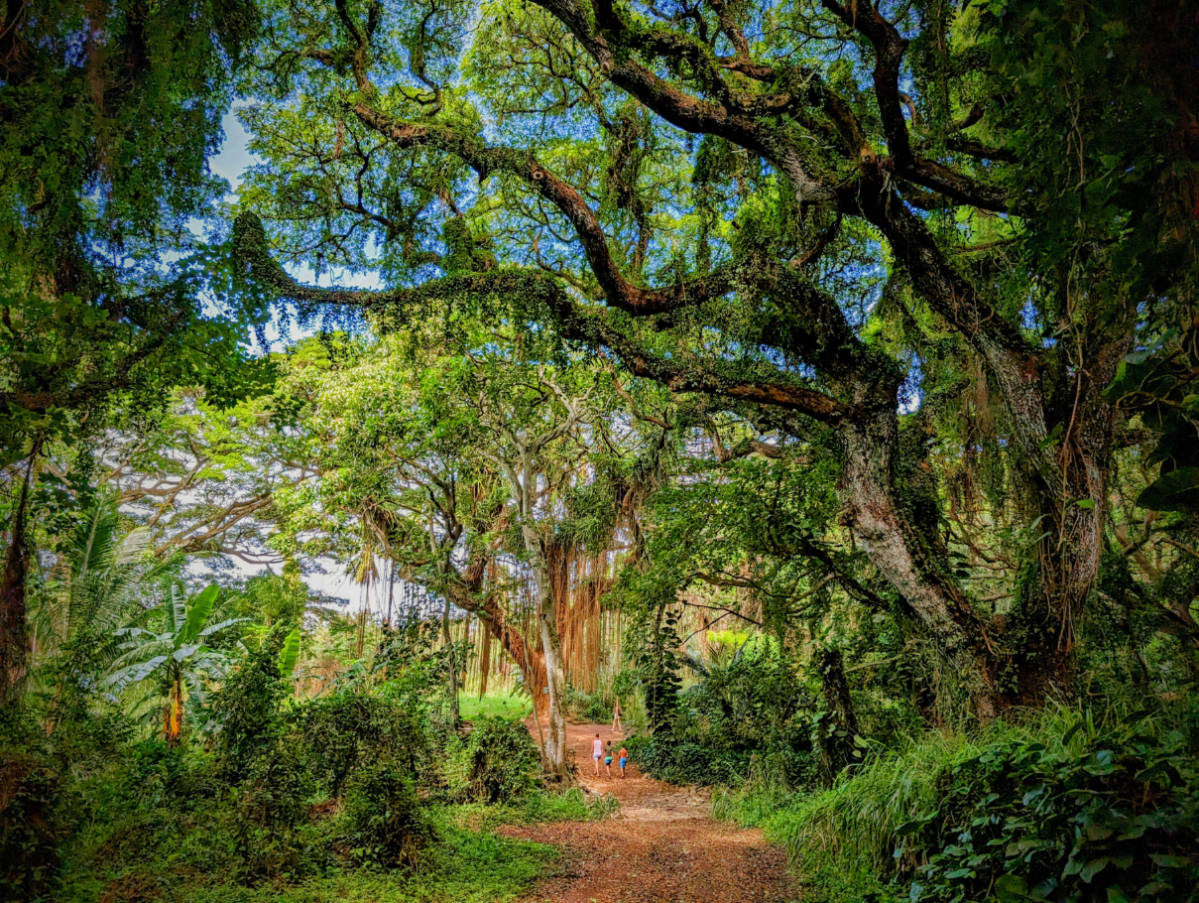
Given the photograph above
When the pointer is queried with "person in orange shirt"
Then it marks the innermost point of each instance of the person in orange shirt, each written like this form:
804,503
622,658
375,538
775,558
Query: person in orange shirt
623,758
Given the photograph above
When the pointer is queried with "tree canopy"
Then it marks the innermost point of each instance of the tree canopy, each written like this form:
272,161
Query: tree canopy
813,382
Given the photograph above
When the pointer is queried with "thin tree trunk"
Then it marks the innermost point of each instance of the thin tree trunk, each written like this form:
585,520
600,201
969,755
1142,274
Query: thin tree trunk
839,745
453,663
484,657
173,713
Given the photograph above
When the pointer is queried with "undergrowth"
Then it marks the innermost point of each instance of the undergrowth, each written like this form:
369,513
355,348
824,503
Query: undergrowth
543,806
1065,808
463,865
510,706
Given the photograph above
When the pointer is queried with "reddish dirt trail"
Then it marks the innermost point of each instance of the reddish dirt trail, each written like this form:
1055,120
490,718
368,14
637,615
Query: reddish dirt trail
662,847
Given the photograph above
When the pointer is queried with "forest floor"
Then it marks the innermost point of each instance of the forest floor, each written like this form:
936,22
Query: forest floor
662,847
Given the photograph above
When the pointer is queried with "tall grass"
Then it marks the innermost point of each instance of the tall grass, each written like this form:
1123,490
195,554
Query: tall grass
509,705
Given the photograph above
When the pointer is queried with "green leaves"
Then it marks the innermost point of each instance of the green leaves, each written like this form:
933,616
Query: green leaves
198,610
1039,822
289,654
177,656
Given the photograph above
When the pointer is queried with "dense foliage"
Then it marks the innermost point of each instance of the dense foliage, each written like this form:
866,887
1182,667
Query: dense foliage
812,382
1069,807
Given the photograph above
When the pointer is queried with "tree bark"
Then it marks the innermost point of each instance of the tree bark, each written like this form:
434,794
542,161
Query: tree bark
554,688
839,744
449,641
14,643
904,554
1072,514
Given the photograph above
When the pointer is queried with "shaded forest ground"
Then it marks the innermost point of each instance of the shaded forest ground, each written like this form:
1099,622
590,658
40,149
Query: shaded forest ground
662,847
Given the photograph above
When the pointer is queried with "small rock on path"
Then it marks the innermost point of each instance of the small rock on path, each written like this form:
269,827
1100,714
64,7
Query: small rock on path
662,847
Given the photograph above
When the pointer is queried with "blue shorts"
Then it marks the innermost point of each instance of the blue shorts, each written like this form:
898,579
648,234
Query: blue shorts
624,762
607,760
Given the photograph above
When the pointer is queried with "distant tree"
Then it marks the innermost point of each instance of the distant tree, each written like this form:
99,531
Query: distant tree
464,468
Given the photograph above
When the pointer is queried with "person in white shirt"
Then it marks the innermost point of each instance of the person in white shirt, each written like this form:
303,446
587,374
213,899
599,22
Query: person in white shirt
597,750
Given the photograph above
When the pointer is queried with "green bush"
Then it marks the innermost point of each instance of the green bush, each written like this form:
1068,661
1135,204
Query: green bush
747,713
246,710
1113,818
385,822
270,804
687,763
1062,810
343,729
495,763
29,795
587,707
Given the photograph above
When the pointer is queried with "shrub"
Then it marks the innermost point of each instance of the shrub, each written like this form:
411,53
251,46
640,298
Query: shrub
29,791
247,710
385,822
687,763
1115,818
270,808
496,762
587,707
341,730
1060,811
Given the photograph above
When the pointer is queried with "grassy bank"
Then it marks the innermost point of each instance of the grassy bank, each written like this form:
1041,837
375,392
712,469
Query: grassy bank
1065,807
463,866
466,861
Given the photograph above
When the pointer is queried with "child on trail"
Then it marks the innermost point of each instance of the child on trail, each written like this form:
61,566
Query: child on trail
597,750
624,760
608,759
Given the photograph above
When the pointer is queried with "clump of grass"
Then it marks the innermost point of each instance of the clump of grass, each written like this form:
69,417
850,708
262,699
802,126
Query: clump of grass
496,704
542,806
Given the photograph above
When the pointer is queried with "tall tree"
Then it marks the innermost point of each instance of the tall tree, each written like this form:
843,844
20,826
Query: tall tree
466,467
108,112
733,197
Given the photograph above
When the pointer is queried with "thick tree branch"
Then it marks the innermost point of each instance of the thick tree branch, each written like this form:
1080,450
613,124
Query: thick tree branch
618,290
889,47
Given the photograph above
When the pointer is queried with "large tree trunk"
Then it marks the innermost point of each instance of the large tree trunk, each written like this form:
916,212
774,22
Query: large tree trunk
13,634
1072,509
1068,476
905,555
550,699
555,687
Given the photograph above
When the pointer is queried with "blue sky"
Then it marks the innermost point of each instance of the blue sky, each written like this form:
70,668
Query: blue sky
235,154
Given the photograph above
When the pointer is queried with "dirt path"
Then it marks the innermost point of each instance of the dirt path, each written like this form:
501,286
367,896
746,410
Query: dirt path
663,847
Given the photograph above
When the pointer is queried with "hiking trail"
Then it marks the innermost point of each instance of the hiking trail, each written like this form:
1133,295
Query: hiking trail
662,847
